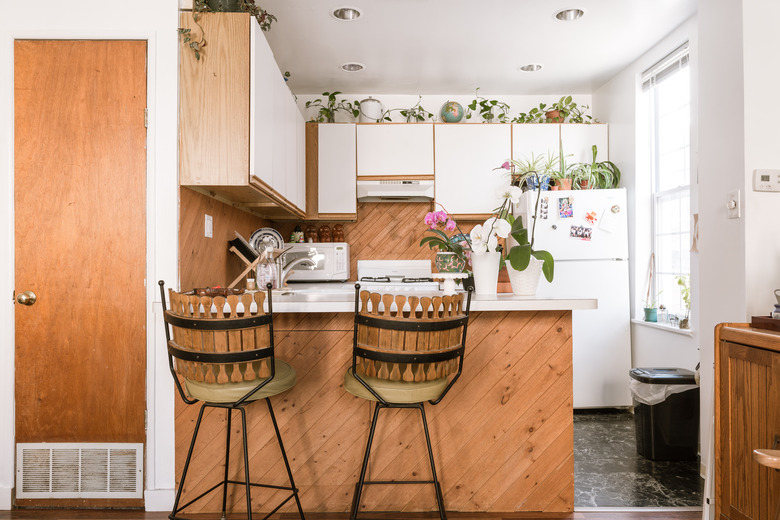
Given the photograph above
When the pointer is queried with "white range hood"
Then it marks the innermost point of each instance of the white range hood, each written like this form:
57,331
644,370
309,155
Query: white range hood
395,191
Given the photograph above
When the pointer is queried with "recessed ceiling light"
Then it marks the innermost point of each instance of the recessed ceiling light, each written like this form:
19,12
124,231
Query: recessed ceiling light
353,67
346,13
568,15
531,67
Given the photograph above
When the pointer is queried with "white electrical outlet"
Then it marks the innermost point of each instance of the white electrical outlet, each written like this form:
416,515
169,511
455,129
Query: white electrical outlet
766,180
209,230
733,206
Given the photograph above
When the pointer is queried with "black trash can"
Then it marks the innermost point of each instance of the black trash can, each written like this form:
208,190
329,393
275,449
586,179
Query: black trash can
668,427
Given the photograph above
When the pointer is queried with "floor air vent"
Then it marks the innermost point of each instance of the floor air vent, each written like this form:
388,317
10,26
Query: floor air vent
79,470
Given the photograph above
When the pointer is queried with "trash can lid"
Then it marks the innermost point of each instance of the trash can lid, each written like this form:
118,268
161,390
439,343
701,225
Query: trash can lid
663,376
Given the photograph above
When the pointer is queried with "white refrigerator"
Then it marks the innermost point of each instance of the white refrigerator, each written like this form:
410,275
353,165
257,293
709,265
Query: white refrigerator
587,233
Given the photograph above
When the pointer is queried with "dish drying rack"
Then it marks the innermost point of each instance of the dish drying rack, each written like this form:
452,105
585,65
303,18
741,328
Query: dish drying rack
250,256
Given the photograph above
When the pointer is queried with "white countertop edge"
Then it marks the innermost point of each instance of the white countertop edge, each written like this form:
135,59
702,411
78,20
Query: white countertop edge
500,302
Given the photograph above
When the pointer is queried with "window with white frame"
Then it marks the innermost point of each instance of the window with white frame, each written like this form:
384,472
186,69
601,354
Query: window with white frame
666,98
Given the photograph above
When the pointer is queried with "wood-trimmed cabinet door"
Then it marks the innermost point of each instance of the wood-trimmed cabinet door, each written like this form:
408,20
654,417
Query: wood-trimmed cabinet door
749,418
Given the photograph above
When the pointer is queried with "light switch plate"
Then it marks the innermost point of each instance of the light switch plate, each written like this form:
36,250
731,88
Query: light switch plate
209,229
733,206
766,180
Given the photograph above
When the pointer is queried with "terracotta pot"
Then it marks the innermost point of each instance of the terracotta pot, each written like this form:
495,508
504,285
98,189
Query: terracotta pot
563,184
554,116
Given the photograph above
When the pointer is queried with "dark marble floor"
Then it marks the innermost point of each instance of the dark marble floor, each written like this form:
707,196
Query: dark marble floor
608,471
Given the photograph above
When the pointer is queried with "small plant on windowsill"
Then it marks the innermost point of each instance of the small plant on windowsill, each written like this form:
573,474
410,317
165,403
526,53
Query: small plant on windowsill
490,110
685,291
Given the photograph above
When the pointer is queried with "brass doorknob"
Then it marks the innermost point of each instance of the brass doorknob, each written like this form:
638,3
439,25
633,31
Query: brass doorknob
26,298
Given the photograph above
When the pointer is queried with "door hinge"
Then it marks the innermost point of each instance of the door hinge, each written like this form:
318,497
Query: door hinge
146,118
146,420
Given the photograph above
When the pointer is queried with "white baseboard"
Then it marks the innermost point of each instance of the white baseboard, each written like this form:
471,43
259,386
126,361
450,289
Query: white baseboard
159,499
5,498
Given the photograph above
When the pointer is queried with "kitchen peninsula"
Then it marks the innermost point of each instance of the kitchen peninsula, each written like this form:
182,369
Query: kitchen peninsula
503,438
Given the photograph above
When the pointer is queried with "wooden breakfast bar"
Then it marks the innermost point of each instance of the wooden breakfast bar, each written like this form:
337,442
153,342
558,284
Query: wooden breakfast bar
502,438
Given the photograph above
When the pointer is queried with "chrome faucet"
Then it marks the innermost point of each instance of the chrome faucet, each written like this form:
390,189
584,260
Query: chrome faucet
283,272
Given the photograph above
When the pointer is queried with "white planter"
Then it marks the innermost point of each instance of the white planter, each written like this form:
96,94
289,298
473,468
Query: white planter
485,267
525,282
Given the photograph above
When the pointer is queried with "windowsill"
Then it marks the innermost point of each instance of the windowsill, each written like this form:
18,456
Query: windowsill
662,326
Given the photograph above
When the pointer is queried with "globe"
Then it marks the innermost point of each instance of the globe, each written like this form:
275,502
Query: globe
451,112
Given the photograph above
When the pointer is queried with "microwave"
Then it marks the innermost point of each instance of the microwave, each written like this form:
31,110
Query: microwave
331,261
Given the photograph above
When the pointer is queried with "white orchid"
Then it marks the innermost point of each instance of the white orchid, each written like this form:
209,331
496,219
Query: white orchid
510,193
484,237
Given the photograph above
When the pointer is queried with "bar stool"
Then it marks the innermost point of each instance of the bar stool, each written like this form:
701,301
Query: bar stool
406,350
222,348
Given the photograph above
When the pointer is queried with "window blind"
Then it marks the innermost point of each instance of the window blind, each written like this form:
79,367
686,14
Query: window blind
668,65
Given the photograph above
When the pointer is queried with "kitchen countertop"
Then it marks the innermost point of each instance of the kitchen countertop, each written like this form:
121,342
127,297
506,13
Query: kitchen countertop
340,297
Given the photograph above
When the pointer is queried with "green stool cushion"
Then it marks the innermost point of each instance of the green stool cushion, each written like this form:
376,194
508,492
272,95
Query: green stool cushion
284,379
395,391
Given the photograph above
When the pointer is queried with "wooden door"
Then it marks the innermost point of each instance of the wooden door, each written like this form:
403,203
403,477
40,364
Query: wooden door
749,397
80,240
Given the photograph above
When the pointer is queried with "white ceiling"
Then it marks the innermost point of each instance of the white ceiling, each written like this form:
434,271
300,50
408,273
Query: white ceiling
455,46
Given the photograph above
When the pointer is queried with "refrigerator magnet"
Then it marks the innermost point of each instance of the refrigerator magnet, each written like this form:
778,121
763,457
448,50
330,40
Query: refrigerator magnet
581,233
566,207
544,206
591,217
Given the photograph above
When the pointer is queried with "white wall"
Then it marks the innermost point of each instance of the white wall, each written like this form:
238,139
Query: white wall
615,102
432,103
155,22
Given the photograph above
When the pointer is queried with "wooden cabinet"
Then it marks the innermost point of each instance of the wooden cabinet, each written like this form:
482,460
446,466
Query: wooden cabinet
747,416
466,155
393,149
241,133
538,140
577,141
331,171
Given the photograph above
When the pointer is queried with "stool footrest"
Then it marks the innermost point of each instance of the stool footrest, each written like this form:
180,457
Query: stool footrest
398,482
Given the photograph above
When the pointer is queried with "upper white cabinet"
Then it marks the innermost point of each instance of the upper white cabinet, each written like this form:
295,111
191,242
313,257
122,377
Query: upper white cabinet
240,128
537,140
331,156
578,140
387,149
466,155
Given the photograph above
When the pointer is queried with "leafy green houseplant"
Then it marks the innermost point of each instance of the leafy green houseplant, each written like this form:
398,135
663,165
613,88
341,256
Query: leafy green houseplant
490,110
565,110
197,44
596,175
415,114
327,110
528,173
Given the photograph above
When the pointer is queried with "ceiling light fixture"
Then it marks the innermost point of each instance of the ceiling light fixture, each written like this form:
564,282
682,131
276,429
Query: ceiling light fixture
346,13
352,67
531,67
569,15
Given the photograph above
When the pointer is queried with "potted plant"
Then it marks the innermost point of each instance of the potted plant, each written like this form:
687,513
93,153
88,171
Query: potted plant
488,108
416,114
685,291
263,17
327,111
568,111
596,175
535,115
452,251
650,307
523,257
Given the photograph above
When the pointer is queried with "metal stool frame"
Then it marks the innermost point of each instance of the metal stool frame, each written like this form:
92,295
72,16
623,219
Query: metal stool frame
175,351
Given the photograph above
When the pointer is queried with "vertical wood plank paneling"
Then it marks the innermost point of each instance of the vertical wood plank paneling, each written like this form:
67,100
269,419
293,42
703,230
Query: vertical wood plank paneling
502,437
